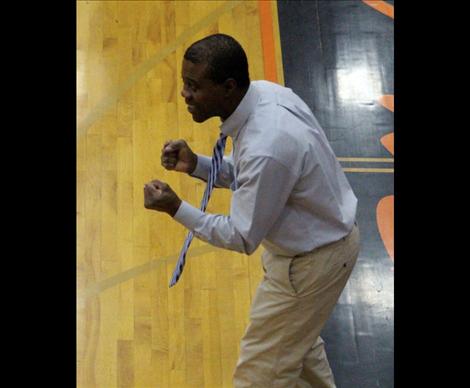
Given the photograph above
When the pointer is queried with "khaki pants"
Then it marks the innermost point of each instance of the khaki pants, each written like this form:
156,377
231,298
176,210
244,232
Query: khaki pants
282,347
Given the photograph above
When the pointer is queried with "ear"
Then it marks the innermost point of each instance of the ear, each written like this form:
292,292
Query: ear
230,85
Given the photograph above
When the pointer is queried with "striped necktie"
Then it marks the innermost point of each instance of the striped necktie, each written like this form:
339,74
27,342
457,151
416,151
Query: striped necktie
217,157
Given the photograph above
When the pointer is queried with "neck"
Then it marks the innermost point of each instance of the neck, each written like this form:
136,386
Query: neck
233,103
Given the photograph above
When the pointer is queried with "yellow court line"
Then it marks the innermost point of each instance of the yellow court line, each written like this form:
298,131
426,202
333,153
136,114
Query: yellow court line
378,160
384,170
148,65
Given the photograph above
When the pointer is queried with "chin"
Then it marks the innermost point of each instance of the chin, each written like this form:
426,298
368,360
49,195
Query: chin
199,119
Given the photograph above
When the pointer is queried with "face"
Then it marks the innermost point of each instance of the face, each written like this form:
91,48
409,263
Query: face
204,98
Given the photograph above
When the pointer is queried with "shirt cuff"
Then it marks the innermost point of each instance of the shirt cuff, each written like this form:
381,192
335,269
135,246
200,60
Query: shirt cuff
188,215
203,167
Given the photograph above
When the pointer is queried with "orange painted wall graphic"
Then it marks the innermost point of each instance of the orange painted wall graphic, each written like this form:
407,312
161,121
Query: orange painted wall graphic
388,101
388,142
385,207
385,223
381,6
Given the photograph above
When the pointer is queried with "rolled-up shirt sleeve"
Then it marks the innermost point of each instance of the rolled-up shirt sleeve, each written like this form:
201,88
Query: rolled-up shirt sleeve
264,186
203,167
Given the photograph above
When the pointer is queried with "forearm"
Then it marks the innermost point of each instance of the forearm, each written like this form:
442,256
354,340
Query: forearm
217,230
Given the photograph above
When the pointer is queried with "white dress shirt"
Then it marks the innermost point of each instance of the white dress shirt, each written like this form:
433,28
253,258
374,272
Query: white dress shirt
290,193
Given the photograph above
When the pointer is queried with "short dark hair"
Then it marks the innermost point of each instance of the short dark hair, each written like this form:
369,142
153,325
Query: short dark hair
224,56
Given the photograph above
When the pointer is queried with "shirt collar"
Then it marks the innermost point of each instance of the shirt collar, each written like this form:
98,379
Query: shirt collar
237,119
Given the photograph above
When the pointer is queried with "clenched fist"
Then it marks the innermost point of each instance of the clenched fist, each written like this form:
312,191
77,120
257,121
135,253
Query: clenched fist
176,155
160,197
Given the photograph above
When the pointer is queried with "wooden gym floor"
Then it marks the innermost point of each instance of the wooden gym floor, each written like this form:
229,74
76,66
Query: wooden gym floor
132,330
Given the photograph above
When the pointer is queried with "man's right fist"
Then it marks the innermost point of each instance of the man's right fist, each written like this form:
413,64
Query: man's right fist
177,156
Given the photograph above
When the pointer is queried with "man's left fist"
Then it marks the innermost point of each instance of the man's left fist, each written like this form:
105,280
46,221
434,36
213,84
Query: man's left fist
160,197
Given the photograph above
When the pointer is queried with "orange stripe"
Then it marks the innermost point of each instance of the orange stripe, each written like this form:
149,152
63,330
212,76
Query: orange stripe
385,223
381,6
267,40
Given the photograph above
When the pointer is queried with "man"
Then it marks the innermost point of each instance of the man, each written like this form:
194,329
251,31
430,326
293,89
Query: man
289,194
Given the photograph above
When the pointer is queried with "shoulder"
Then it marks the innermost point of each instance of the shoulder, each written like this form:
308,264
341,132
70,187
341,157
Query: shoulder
281,126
